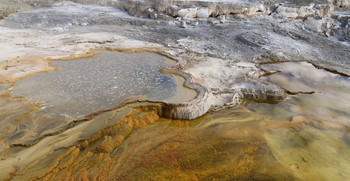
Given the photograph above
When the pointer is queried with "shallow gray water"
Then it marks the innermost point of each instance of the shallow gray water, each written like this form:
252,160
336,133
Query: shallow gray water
328,95
87,85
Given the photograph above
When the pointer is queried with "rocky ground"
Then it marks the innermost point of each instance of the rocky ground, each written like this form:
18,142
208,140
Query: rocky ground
219,45
235,36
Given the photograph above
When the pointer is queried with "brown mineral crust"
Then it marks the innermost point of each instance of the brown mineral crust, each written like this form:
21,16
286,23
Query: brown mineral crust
93,154
181,152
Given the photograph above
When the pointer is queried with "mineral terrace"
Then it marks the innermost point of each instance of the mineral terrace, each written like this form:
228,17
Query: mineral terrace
217,49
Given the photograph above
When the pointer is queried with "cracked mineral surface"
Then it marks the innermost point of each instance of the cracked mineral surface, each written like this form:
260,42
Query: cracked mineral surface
174,90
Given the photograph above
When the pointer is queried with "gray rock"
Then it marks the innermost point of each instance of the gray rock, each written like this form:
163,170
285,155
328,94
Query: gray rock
184,24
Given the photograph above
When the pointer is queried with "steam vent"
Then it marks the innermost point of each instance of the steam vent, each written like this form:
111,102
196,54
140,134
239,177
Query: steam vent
174,90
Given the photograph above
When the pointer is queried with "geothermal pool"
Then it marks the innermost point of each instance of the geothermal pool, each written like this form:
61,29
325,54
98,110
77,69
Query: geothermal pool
88,85
50,102
305,137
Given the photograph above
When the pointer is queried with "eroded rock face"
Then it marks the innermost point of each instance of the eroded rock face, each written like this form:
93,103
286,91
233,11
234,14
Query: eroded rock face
205,9
316,13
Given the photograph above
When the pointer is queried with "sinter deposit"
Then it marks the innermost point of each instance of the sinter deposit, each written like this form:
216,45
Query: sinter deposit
174,90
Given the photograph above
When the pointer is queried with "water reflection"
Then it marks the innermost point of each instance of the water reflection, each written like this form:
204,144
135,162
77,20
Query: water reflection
329,102
310,132
303,76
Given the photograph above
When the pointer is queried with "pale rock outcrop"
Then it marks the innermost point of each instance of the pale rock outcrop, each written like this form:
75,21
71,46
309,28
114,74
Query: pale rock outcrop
188,13
183,24
313,24
323,10
302,12
257,9
193,9
222,19
294,12
203,13
341,3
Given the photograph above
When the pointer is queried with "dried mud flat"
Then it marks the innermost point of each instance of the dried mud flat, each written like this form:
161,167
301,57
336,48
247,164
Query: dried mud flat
253,116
